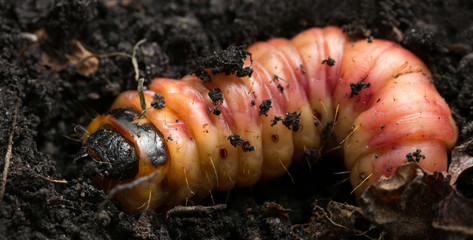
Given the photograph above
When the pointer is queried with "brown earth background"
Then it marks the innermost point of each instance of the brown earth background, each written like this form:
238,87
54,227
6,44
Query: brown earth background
53,101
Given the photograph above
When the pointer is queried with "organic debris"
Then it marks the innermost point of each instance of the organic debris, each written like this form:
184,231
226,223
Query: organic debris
416,204
340,219
275,210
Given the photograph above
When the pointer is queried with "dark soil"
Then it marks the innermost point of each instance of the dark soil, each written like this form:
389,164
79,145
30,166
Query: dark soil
54,104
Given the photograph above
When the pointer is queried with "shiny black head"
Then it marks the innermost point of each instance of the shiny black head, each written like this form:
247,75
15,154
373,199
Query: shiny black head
108,154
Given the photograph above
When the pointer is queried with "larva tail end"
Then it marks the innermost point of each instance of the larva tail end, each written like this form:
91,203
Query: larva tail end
430,155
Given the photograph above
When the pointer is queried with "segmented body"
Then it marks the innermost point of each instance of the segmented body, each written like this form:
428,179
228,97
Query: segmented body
374,97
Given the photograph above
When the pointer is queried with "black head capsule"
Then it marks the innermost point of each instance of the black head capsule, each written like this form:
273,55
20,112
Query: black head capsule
107,154
114,150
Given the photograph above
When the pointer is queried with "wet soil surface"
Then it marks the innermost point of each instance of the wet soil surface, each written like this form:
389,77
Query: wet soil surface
46,103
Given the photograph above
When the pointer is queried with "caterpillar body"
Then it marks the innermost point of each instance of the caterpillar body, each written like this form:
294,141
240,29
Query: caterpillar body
374,97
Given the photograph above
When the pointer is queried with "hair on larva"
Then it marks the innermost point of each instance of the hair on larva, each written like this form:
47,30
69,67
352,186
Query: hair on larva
373,98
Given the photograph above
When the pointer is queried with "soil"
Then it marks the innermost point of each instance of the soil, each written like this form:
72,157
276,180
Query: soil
46,196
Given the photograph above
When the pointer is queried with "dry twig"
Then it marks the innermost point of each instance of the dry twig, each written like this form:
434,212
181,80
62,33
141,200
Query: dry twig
52,180
9,151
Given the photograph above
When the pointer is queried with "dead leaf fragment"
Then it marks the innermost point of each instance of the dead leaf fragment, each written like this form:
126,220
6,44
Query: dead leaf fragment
455,215
80,57
461,162
86,62
416,204
275,210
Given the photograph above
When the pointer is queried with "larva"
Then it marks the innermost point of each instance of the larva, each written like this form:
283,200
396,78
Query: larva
317,89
